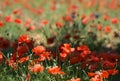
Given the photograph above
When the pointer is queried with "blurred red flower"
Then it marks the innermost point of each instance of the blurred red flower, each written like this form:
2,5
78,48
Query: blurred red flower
85,20
18,21
114,21
44,22
1,56
8,18
59,24
1,23
107,29
99,27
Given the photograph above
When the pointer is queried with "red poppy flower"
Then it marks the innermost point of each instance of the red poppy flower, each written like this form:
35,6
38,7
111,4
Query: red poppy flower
91,74
63,57
112,4
105,74
112,71
16,11
4,43
83,49
108,64
8,18
85,20
18,21
22,50
31,28
27,6
59,24
66,48
83,16
55,70
67,18
40,11
23,59
106,17
44,22
92,3
72,7
27,23
74,60
36,68
92,67
107,29
23,39
38,50
114,21
1,23
94,58
12,64
96,78
98,75
53,8
43,56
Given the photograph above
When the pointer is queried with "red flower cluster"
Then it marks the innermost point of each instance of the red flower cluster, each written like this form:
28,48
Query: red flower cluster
100,75
65,52
42,53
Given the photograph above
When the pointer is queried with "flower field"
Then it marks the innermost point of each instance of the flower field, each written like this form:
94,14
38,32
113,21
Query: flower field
59,40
